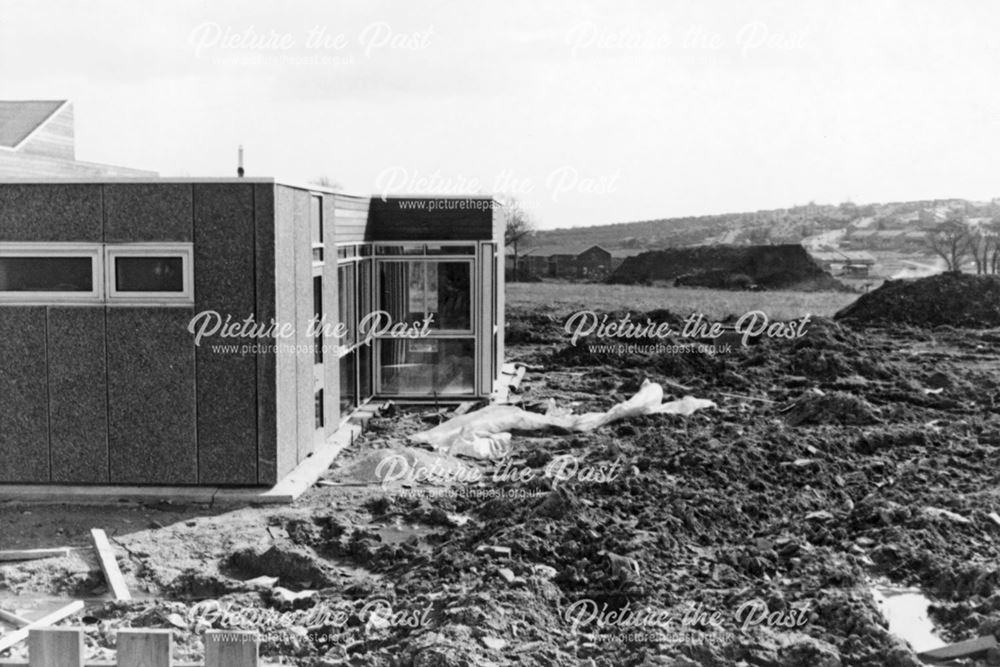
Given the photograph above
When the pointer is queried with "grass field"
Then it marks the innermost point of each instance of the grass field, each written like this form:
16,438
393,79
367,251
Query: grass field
562,298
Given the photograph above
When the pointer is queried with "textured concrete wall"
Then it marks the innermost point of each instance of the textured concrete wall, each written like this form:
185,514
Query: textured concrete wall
151,396
148,212
24,432
227,382
51,212
78,395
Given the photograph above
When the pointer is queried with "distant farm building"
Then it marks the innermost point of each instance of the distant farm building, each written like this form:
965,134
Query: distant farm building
850,264
885,239
573,262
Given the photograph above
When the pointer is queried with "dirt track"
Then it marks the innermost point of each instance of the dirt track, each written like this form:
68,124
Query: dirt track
831,460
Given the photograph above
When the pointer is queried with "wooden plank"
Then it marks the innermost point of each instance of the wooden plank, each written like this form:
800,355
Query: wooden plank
18,636
55,647
13,619
964,649
231,649
144,648
109,565
32,554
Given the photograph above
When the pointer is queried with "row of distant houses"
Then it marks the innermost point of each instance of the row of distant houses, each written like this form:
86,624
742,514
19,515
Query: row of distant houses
593,262
570,261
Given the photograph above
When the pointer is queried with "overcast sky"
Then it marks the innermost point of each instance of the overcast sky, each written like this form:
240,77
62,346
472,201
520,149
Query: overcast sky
589,112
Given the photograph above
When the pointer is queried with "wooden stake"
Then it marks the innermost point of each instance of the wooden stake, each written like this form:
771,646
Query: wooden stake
144,648
226,648
109,565
55,647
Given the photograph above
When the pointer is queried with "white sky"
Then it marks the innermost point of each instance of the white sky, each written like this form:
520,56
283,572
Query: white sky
591,112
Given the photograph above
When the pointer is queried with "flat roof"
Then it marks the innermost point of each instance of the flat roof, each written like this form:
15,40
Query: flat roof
102,180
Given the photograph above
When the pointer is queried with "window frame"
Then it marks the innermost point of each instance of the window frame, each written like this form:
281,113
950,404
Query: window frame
48,297
470,263
116,297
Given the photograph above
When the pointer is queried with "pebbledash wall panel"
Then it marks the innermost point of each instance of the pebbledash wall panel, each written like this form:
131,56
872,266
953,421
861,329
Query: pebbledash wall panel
24,419
148,212
51,212
78,395
224,282
151,396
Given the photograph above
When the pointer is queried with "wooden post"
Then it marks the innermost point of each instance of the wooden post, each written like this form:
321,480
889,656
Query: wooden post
230,648
144,648
55,647
113,575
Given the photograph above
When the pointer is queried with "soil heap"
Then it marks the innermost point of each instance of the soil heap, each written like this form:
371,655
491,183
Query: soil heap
729,267
952,299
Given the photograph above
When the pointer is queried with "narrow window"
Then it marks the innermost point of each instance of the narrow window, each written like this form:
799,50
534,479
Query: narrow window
150,274
50,273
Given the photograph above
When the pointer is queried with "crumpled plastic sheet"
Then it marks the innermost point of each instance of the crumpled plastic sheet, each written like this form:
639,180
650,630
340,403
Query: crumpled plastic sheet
485,433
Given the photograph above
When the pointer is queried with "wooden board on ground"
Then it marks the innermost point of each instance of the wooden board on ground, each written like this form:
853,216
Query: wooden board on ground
965,649
18,636
32,554
109,565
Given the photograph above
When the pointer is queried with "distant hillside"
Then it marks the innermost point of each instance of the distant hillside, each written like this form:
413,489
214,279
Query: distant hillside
891,226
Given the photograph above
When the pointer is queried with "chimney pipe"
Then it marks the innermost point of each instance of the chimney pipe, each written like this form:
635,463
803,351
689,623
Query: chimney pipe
239,168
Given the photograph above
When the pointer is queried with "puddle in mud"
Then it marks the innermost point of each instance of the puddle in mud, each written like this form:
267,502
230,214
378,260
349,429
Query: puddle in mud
906,611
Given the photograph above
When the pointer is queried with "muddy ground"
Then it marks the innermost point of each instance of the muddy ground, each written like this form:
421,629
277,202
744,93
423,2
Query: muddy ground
831,461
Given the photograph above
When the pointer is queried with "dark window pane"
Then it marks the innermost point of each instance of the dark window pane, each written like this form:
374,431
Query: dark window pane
46,274
451,250
411,290
318,409
347,302
452,296
149,274
427,366
316,219
348,386
365,370
318,314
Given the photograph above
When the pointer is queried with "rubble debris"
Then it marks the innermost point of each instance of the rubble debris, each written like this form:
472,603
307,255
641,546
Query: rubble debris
834,408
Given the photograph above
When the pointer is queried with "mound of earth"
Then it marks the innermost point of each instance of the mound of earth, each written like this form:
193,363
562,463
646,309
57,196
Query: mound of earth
729,267
952,299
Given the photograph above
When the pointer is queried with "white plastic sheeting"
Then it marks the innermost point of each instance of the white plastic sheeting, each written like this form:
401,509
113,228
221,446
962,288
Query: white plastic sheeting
485,433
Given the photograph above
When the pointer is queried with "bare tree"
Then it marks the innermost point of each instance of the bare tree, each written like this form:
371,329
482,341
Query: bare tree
952,241
325,182
519,225
984,246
